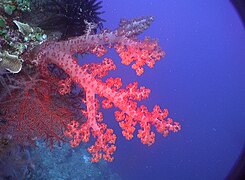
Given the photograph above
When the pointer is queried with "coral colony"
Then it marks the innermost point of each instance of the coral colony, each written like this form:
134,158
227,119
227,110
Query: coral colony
41,99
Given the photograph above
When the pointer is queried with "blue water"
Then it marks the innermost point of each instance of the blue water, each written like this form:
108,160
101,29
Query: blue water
200,81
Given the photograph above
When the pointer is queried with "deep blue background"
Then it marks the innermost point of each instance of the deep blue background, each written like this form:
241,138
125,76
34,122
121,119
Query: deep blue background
200,81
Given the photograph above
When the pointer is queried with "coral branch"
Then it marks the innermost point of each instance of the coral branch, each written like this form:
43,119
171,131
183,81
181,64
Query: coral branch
142,52
88,77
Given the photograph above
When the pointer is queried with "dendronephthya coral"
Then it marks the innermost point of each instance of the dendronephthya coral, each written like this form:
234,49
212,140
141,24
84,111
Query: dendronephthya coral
41,104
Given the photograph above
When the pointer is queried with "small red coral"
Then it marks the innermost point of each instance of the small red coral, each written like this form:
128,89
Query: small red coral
32,110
